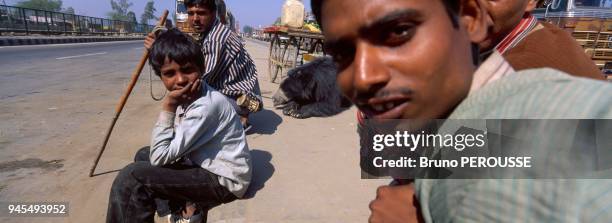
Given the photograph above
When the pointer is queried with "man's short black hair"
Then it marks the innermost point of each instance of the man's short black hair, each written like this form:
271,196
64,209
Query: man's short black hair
452,8
177,47
209,4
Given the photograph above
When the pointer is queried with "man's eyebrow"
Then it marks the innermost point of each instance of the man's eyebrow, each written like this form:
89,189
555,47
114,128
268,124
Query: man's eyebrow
392,16
335,44
186,66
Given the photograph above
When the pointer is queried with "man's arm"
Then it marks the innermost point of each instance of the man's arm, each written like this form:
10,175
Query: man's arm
242,73
169,144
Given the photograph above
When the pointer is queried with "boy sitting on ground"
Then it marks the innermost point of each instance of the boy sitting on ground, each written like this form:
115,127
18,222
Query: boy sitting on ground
198,155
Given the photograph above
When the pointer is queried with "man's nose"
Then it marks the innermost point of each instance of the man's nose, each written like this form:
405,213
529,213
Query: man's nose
370,73
196,18
181,79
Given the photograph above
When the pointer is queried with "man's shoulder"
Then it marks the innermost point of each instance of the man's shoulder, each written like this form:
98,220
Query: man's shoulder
234,42
221,33
547,30
539,93
229,41
550,46
548,36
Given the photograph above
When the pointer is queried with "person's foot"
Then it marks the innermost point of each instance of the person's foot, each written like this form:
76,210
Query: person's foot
190,215
161,219
244,120
247,127
197,218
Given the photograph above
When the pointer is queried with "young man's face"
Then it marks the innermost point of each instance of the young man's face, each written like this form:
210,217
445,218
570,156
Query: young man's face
176,77
506,15
399,59
200,18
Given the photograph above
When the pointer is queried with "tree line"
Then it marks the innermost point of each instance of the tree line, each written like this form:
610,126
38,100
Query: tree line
120,9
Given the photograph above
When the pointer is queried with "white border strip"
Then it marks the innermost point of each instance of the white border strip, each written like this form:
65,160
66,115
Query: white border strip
73,44
82,55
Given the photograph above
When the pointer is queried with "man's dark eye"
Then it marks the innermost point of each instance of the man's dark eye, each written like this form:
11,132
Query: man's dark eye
399,34
168,74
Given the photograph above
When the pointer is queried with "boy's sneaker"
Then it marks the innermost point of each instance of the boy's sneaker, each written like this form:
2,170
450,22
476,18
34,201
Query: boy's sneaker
160,219
196,218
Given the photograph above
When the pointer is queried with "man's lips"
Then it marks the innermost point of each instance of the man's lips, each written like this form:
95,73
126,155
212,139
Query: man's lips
385,108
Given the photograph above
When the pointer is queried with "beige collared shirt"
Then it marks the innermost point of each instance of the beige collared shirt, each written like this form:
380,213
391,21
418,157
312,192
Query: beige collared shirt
493,68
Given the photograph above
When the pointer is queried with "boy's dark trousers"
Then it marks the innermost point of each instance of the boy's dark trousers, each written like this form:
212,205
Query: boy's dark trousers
140,189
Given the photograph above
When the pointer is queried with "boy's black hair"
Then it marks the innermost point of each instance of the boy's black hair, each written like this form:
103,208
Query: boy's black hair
452,8
177,47
209,4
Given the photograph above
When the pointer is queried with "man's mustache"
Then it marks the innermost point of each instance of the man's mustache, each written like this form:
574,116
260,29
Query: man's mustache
364,97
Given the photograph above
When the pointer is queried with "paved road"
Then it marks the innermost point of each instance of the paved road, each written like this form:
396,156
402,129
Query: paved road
12,54
27,69
56,103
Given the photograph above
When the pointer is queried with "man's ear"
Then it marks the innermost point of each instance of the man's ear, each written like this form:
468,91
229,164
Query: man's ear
476,20
531,5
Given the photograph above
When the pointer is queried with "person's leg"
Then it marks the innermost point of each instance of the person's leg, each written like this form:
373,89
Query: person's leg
130,200
136,186
163,206
143,154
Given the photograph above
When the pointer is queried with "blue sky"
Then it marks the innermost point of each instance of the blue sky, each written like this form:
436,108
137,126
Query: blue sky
248,12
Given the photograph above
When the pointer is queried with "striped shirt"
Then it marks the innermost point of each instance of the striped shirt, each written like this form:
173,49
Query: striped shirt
229,68
527,24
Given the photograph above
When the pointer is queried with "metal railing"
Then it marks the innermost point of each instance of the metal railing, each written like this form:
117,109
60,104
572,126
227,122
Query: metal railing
25,20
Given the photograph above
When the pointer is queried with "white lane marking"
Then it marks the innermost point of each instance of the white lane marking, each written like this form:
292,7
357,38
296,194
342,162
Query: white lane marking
138,48
82,55
72,44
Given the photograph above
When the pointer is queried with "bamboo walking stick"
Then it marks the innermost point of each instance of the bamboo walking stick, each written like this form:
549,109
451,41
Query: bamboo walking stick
128,91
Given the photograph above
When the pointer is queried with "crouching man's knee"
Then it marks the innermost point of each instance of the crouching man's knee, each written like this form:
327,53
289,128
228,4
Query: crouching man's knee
126,179
143,154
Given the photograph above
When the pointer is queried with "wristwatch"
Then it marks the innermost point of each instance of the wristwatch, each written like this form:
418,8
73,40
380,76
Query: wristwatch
249,102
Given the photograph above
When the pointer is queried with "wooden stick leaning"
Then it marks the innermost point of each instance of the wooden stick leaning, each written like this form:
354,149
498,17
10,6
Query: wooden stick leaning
128,91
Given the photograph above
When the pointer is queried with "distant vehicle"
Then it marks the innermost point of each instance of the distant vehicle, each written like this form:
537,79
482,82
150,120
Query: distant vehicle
181,15
607,70
589,22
